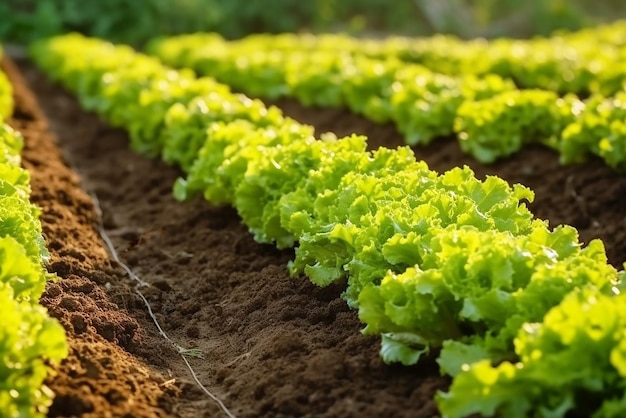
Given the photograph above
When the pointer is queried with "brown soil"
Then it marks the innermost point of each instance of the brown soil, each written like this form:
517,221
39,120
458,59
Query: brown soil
272,345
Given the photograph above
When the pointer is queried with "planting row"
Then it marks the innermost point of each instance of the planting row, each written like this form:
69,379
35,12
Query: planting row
432,261
30,341
489,115
421,103
581,62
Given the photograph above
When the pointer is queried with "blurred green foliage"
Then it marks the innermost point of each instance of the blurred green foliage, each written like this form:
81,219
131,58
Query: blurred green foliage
134,21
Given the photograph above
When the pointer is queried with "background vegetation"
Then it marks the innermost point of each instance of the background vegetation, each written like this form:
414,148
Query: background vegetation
135,21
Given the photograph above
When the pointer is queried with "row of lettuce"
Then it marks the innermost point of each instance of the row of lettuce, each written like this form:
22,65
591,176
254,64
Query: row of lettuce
30,341
526,319
582,62
487,112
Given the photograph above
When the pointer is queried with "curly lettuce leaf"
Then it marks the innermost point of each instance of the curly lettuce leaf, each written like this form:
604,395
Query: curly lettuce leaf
6,96
381,220
186,125
19,219
488,284
30,343
281,170
11,144
500,125
223,159
572,361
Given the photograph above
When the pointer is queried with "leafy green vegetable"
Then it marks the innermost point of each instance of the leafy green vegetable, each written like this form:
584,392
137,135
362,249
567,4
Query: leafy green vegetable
19,219
6,96
579,62
11,144
501,125
338,204
19,271
437,86
30,343
572,361
383,217
424,106
186,126
422,103
147,117
278,171
480,287
223,160
600,130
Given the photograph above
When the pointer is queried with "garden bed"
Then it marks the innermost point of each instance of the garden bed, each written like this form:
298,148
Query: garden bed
272,345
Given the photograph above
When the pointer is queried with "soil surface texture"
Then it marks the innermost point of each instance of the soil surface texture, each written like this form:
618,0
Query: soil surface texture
270,345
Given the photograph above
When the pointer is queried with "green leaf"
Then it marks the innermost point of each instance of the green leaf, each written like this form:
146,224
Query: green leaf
487,391
585,330
403,348
30,343
19,271
456,356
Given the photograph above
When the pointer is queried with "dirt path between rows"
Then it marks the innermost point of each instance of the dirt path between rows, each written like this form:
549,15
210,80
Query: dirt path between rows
273,345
